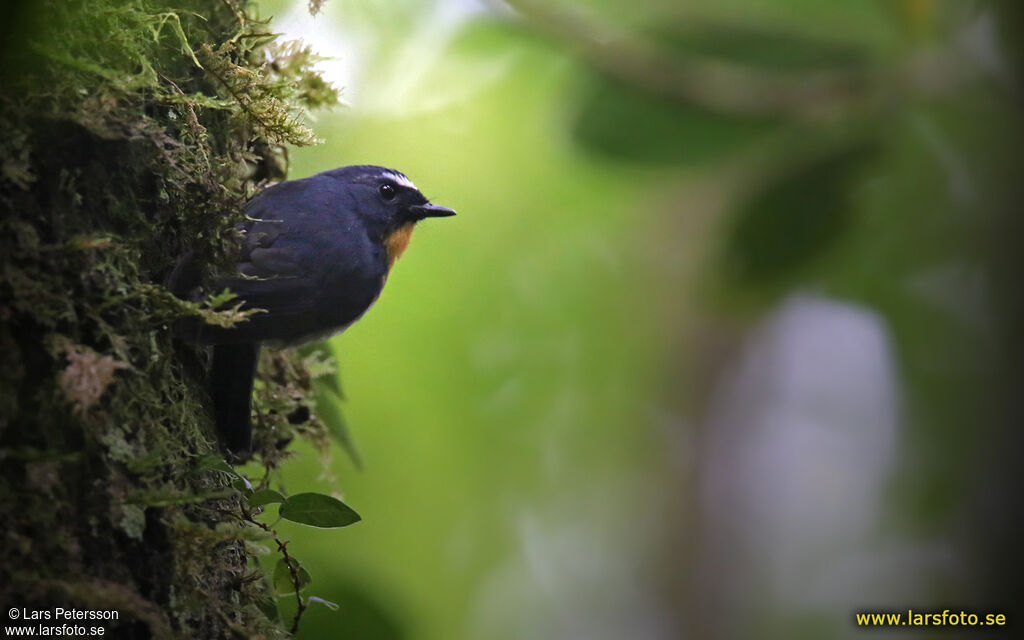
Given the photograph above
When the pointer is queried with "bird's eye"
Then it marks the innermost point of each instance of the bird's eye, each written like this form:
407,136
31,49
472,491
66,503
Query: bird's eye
387,192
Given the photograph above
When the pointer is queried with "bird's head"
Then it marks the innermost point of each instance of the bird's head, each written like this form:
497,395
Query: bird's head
389,204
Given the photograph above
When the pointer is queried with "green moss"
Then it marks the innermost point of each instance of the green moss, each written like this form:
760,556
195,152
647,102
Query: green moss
133,132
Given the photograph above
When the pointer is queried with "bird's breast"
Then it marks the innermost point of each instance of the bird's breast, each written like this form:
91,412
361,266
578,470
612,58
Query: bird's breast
397,242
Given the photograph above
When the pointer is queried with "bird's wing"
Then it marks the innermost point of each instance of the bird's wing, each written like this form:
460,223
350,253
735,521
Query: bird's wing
281,296
299,267
270,278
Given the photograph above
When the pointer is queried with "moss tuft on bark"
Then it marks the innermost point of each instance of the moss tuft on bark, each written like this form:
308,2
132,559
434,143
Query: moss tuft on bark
133,131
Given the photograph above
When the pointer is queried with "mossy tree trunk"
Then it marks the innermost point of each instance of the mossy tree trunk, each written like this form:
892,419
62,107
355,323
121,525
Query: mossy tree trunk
131,133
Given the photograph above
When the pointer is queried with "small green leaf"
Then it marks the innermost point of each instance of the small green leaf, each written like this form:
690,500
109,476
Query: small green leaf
265,496
318,510
283,581
333,606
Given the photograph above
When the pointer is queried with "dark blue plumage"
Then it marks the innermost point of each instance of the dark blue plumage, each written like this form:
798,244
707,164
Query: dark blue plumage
315,256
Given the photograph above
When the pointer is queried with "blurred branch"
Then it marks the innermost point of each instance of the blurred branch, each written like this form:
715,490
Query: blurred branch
729,87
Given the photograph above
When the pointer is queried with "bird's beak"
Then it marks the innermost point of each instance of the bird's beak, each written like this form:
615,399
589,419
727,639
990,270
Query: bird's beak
430,210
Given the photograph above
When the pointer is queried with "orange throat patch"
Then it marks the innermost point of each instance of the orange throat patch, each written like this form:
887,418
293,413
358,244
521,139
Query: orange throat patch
397,242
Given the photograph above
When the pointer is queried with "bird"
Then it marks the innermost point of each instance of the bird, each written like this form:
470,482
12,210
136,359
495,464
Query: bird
315,255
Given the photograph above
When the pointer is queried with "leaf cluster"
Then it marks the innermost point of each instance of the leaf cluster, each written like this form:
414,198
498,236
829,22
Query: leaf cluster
289,577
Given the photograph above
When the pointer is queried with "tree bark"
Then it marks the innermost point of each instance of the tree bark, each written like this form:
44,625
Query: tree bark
131,133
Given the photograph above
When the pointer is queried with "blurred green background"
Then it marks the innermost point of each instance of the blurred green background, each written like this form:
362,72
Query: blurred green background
711,349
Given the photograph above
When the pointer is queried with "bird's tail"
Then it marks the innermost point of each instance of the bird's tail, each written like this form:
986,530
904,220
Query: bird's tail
231,378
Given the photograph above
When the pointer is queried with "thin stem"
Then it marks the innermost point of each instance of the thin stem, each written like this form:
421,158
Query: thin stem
293,569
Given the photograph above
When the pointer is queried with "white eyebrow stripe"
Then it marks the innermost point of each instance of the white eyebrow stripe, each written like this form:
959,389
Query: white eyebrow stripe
399,179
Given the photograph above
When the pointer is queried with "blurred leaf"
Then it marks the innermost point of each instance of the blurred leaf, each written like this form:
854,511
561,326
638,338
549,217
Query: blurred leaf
318,510
622,120
284,583
257,549
761,48
265,496
794,219
323,366
328,409
269,608
627,123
